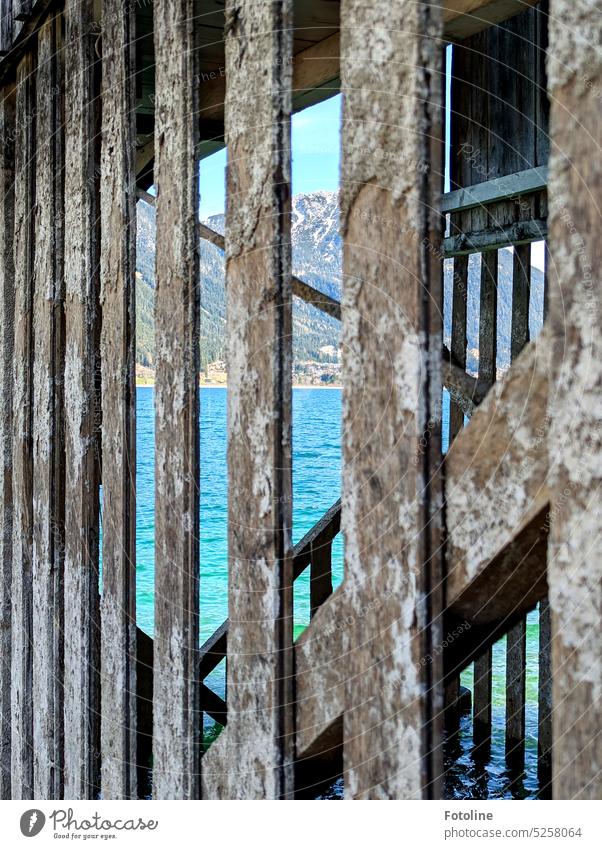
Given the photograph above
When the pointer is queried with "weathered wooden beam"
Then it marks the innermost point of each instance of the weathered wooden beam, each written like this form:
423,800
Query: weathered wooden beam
490,191
117,348
7,342
259,296
458,337
544,702
176,710
481,700
521,293
575,552
467,17
390,481
82,420
48,427
502,236
22,590
504,449
516,682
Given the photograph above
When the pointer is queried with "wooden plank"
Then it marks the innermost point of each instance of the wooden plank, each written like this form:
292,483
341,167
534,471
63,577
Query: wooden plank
7,327
521,290
516,680
499,236
488,317
117,346
22,654
390,481
500,188
259,309
458,336
82,420
575,551
177,719
544,702
504,449
48,429
320,587
6,26
481,717
466,17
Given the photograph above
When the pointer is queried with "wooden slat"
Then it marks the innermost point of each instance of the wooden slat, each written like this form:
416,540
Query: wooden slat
259,296
7,326
544,702
481,728
320,586
6,26
458,336
488,317
22,653
82,420
176,712
390,478
497,236
48,429
117,269
575,552
500,188
516,679
521,289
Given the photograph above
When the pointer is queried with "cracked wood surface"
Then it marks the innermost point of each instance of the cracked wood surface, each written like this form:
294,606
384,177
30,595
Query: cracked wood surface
391,497
48,429
82,408
176,711
575,403
259,298
117,297
22,590
7,341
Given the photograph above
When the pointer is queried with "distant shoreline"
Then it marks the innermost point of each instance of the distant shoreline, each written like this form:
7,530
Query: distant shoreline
151,385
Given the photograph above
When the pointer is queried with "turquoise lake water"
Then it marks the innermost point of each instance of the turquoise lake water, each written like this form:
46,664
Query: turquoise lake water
316,486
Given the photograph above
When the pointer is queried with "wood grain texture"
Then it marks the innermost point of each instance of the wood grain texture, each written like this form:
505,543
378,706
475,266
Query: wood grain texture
7,341
117,297
48,429
516,682
22,599
82,408
391,148
575,552
259,296
176,712
544,702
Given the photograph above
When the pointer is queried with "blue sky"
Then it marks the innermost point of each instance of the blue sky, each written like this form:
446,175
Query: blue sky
315,157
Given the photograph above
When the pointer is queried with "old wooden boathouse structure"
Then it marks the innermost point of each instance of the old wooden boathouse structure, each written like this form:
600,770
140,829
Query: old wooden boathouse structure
101,101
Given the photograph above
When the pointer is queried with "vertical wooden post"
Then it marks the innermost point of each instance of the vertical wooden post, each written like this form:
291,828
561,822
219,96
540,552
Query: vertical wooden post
521,289
320,586
391,334
259,295
82,408
176,709
544,730
575,543
22,649
117,273
481,717
516,679
48,430
458,334
487,372
7,329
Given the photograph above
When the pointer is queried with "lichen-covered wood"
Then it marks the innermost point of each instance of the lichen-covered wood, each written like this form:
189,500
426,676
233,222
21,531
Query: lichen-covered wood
259,295
575,551
48,430
22,648
82,409
391,399
7,328
176,712
117,298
